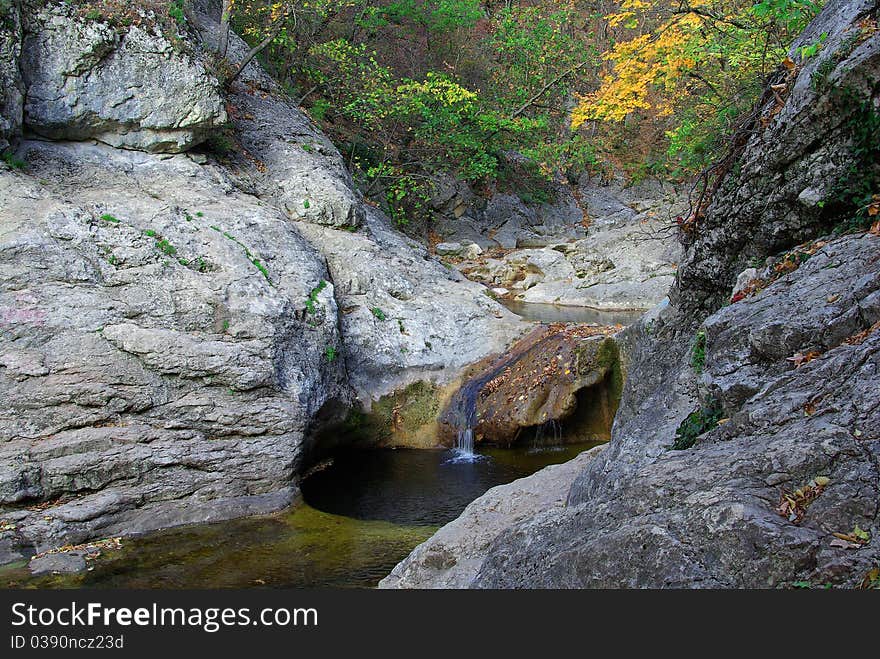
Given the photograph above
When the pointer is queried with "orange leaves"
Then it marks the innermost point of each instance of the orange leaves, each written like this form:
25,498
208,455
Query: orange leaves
873,210
855,539
799,359
856,339
793,505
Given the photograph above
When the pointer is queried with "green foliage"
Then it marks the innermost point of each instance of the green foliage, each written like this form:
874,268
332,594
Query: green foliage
151,233
412,88
696,424
166,247
14,162
247,252
698,352
856,191
312,299
330,353
222,142
109,218
691,70
176,11
811,50
378,313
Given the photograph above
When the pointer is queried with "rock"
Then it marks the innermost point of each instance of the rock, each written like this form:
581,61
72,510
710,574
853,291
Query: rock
743,354
290,161
58,563
555,374
471,251
453,555
11,86
448,249
795,159
404,316
701,517
152,361
743,279
130,89
619,265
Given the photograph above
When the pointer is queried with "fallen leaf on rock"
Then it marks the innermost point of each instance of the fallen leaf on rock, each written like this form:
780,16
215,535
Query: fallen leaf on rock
844,544
799,358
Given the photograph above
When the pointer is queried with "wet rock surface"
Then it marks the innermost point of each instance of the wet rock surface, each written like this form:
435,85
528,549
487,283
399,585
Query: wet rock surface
542,380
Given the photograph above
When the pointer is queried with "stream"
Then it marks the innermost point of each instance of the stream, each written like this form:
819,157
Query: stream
556,313
359,517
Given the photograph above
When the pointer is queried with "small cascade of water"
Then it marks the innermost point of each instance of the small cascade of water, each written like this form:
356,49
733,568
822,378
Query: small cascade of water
467,421
465,442
466,409
548,437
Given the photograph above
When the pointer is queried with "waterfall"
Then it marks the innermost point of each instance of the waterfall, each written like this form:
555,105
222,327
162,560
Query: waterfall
467,421
465,442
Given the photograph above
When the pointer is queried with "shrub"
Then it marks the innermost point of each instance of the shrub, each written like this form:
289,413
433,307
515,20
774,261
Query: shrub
697,423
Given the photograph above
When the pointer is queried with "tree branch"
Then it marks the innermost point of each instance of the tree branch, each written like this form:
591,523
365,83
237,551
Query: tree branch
256,50
562,76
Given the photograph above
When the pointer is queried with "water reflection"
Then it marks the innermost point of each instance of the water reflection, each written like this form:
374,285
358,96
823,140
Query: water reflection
554,313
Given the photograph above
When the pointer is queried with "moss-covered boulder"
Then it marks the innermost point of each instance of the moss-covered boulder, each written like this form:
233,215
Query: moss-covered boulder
407,417
559,373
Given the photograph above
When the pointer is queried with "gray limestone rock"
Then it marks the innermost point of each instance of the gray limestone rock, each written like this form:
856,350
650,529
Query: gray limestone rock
129,89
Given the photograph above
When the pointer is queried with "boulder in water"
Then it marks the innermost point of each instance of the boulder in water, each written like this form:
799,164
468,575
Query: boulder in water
556,373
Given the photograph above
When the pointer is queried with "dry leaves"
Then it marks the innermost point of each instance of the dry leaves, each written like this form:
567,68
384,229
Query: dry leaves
799,359
793,505
853,540
856,339
92,549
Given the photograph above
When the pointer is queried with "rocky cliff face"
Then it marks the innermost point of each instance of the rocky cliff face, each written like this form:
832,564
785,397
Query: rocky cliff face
174,325
772,399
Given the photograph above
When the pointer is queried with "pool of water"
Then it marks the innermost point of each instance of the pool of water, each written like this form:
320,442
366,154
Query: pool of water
555,313
360,516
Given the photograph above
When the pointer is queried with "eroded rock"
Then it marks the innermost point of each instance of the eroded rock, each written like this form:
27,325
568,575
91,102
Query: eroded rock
130,89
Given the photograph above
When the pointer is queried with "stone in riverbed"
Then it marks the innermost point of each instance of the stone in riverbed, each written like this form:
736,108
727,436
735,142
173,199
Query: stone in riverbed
555,373
59,563
448,249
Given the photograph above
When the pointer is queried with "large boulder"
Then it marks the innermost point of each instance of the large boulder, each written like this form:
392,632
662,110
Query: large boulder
404,316
129,88
749,505
542,380
164,345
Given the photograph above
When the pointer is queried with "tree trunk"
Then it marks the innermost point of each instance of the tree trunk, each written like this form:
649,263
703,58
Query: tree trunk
223,40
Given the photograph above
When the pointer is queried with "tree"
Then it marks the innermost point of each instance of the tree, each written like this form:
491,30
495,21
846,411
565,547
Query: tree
693,67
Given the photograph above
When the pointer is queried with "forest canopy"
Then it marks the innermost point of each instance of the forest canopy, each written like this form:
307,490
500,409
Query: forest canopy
521,90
